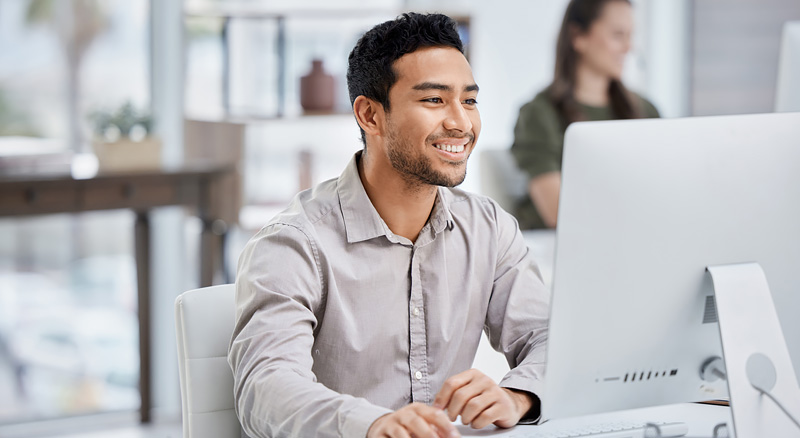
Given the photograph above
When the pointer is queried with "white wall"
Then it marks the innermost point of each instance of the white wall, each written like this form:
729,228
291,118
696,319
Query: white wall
666,58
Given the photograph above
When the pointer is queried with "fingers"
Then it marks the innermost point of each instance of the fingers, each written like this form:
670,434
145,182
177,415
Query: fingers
480,401
395,430
437,418
415,420
476,406
416,426
462,388
493,414
450,385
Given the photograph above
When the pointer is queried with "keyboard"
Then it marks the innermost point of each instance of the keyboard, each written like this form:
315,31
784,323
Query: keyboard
606,430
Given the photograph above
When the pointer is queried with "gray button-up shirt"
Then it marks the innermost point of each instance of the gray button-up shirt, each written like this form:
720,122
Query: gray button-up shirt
339,320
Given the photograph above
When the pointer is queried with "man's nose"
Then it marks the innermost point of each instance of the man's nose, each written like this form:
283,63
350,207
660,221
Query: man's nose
457,118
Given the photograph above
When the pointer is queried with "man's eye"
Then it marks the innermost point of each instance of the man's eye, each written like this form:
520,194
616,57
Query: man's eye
471,101
433,100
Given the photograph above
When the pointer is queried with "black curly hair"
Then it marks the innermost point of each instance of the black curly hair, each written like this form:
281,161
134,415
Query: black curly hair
369,70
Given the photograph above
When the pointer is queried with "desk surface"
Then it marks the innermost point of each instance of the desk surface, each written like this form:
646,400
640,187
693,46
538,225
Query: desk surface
43,174
701,420
60,192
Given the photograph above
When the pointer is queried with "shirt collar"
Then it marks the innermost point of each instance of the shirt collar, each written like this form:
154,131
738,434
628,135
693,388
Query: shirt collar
362,221
441,217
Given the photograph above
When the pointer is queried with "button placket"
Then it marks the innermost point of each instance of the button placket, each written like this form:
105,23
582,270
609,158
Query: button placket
418,338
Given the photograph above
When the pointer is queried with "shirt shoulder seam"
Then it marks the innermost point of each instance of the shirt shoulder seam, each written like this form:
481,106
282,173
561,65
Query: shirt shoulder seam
314,251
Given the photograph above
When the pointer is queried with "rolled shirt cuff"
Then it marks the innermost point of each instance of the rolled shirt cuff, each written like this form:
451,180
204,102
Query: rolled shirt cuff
533,387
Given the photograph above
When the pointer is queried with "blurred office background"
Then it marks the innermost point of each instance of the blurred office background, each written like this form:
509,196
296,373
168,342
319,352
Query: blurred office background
68,326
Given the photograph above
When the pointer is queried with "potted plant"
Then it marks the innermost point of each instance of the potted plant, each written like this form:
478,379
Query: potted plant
123,139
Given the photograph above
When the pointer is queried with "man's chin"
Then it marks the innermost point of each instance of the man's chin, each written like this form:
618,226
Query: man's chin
459,175
455,181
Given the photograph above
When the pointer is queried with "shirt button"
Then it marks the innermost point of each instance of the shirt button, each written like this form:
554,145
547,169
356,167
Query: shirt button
418,375
416,311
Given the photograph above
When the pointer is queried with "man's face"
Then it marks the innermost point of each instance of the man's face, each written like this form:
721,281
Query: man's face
433,122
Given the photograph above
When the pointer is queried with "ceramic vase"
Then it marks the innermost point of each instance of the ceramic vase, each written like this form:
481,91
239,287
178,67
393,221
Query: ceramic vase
317,89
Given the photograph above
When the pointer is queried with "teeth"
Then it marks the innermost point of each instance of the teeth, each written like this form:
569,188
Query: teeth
450,148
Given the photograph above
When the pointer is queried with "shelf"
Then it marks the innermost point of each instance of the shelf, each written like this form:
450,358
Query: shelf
248,11
239,12
253,118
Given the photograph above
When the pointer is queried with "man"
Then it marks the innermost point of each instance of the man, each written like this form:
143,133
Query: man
361,306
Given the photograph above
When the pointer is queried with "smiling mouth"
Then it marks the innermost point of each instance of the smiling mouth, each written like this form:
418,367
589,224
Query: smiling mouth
452,145
453,148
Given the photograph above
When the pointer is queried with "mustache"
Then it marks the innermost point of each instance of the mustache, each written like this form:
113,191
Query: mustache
450,134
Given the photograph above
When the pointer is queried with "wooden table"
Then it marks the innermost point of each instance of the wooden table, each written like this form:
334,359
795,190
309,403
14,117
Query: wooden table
201,187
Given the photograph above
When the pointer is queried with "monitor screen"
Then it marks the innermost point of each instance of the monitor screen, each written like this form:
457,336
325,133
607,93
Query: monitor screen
787,91
645,207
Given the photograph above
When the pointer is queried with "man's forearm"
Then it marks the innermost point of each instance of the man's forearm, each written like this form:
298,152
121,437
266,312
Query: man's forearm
282,403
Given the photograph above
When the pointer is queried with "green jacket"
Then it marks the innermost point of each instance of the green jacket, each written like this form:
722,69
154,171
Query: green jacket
539,144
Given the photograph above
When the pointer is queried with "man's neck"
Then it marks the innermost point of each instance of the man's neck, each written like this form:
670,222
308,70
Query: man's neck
591,87
405,207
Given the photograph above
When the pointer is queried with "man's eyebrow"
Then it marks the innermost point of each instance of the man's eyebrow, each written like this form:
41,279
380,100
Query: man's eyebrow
432,86
424,86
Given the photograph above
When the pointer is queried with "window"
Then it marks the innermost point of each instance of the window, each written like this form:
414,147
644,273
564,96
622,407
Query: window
68,327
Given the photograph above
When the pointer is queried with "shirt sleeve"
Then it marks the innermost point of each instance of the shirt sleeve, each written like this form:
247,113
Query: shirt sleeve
276,392
538,138
519,308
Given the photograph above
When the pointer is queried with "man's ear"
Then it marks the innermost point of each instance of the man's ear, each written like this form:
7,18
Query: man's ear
369,115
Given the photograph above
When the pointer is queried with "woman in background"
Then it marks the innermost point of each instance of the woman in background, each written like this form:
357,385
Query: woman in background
594,40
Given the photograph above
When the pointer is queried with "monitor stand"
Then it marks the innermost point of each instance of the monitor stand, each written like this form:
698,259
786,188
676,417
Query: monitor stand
755,354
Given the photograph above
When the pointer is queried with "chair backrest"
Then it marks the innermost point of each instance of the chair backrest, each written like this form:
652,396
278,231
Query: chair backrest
501,179
204,321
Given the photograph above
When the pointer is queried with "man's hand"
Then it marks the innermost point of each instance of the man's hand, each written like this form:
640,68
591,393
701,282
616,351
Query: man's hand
480,402
417,420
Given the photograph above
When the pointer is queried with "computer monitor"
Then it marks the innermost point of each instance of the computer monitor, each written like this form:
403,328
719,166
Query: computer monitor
645,207
787,91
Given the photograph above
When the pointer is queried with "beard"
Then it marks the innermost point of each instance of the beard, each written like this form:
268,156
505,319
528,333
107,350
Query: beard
416,168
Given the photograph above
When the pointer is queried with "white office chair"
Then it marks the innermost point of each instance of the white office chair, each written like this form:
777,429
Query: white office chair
204,320
501,179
